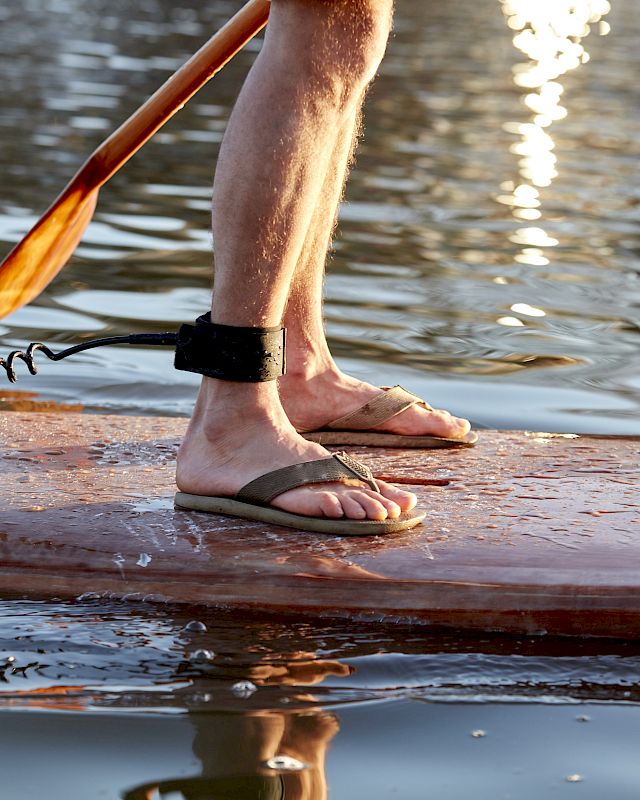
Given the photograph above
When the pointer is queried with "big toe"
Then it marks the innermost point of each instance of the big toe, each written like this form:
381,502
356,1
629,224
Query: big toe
405,500
442,423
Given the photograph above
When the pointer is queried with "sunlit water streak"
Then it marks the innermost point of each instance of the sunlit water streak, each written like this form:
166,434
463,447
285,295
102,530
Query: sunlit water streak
507,291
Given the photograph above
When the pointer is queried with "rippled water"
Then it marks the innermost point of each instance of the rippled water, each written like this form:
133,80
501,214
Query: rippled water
101,655
465,267
157,706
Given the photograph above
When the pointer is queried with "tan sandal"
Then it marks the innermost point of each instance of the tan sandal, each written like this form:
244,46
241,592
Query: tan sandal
252,501
355,428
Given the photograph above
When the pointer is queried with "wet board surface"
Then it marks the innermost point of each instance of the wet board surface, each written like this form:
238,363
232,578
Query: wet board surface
526,533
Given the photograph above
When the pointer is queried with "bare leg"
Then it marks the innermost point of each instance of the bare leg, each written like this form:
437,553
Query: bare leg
306,83
315,391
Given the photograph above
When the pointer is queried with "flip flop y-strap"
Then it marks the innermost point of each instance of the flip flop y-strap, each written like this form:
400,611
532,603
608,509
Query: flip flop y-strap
338,467
383,407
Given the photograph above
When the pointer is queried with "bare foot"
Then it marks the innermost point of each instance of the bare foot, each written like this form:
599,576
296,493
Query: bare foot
311,403
239,432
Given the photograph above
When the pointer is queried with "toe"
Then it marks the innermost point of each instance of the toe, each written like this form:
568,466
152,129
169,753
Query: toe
371,503
461,426
330,505
405,500
352,508
392,508
420,421
310,502
442,423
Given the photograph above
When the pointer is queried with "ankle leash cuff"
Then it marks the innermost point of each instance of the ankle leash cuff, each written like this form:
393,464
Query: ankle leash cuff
231,353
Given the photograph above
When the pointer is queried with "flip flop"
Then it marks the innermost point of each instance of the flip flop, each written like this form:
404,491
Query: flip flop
252,501
355,428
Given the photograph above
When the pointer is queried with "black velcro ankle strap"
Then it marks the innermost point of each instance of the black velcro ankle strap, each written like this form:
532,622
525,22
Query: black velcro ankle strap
231,353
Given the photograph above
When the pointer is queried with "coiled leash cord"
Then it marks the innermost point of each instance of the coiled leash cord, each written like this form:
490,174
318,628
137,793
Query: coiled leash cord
28,356
228,352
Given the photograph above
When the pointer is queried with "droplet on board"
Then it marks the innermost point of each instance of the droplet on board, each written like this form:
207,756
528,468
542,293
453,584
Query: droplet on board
575,778
478,734
583,718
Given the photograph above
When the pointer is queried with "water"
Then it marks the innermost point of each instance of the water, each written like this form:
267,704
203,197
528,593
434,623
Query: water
112,702
465,268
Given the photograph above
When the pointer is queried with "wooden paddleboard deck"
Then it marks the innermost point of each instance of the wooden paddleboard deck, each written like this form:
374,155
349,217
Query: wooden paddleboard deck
527,533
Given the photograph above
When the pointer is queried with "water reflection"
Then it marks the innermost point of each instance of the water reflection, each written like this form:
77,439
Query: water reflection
108,656
87,657
235,787
261,755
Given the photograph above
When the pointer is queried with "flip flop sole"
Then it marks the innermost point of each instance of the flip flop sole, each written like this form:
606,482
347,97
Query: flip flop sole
274,516
374,439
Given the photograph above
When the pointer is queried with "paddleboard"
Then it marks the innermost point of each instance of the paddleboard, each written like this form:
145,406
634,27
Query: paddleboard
526,533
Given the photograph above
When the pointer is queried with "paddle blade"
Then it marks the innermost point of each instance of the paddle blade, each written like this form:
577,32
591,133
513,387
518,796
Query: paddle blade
37,259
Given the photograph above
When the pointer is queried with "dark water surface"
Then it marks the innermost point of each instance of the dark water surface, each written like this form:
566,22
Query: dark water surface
488,251
487,257
116,700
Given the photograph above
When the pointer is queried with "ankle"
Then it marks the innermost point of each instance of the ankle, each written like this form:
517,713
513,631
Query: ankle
307,362
215,392
220,404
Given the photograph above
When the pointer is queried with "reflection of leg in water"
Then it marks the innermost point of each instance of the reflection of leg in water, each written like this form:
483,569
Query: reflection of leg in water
236,744
234,750
306,737
244,744
246,755
239,787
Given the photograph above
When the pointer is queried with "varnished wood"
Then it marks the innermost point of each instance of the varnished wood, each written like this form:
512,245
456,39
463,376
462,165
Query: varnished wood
525,533
37,259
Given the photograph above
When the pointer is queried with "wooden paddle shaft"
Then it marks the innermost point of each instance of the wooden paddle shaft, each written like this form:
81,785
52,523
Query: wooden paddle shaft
180,87
37,259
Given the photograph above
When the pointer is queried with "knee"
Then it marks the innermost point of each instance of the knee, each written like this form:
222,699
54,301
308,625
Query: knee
340,44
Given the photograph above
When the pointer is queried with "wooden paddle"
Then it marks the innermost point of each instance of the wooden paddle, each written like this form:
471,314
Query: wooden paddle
38,258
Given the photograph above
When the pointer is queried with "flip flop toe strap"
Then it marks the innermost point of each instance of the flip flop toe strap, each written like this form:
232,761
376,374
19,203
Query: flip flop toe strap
383,407
338,467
